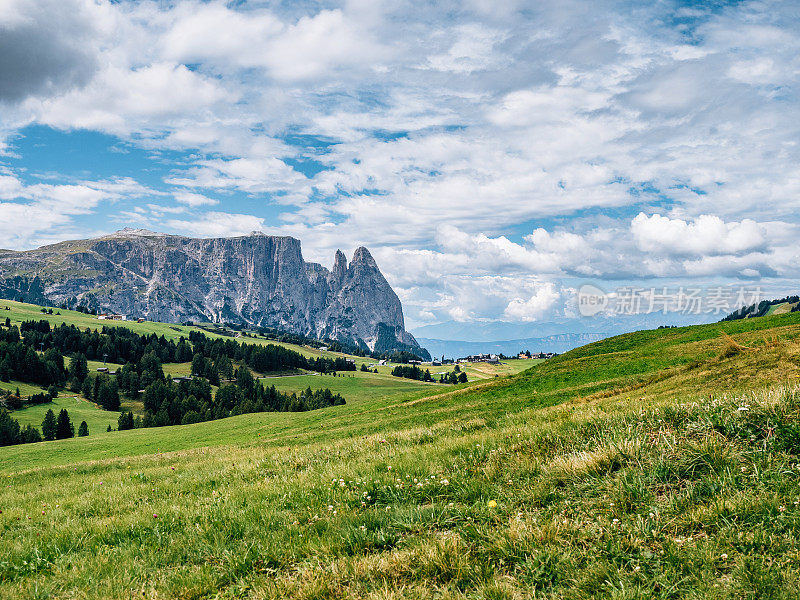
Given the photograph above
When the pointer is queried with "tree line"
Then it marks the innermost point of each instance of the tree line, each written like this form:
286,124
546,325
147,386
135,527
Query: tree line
416,373
53,428
261,358
166,402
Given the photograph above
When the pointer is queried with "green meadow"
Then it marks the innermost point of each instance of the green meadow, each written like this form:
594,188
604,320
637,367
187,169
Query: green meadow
658,464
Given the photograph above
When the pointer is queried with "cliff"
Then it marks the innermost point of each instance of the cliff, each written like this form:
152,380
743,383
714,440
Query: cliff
257,279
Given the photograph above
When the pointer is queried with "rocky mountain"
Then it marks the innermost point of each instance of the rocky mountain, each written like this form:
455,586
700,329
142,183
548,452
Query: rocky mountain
257,279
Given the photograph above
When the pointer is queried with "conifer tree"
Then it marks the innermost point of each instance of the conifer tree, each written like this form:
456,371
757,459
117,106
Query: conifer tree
83,429
64,428
78,368
49,425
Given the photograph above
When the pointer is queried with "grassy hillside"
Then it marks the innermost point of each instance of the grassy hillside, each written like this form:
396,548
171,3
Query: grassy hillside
354,387
650,465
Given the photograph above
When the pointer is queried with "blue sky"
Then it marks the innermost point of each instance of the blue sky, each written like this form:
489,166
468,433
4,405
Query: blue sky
493,156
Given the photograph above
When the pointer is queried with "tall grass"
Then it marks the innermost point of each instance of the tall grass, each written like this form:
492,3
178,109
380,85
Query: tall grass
694,499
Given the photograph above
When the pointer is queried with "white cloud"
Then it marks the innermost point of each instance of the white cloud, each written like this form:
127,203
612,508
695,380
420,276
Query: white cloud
122,100
534,307
43,212
193,200
441,129
473,50
314,46
705,235
247,174
218,224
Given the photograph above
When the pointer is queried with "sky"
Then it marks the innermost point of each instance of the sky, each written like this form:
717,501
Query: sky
494,156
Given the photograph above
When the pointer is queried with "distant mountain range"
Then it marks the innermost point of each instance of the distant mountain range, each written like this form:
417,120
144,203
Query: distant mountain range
453,339
553,343
257,280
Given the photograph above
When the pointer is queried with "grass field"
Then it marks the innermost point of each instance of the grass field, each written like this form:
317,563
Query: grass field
78,408
98,420
356,387
659,464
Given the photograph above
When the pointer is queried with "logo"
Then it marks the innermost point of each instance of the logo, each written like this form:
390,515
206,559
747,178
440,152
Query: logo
591,300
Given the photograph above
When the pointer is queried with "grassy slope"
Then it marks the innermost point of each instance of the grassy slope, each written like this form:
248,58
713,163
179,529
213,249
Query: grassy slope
362,386
612,471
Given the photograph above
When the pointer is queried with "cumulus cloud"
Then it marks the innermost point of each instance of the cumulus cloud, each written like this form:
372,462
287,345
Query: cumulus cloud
471,145
46,47
314,46
533,307
705,235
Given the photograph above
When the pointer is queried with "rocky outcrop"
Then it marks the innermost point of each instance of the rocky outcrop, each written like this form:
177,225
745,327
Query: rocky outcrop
256,279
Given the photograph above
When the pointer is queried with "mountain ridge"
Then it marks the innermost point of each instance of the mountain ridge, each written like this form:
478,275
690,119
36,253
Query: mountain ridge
258,280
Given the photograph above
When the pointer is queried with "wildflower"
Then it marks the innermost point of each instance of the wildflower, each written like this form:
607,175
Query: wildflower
155,516
781,508
447,482
492,504
389,468
723,556
330,507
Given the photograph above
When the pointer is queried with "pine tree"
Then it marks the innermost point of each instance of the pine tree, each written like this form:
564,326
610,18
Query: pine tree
49,425
83,429
78,368
29,435
108,395
9,429
64,428
86,388
125,421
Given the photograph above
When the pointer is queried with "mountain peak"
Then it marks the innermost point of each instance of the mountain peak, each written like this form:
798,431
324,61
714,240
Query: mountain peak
339,264
260,281
362,257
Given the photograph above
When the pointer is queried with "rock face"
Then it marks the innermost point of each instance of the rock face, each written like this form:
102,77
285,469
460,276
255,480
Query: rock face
256,279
